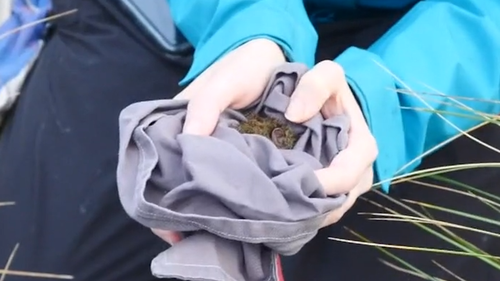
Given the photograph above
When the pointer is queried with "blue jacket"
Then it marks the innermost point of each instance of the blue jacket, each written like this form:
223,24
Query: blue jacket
452,46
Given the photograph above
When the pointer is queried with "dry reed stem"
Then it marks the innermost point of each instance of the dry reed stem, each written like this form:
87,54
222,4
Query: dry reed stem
6,270
35,274
448,271
4,204
13,31
413,248
9,261
407,271
411,219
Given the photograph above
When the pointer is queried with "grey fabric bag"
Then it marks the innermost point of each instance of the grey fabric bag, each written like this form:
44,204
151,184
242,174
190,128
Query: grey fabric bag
239,200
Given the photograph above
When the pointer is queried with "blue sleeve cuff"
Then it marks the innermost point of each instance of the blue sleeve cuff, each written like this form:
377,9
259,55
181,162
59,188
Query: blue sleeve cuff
375,90
292,31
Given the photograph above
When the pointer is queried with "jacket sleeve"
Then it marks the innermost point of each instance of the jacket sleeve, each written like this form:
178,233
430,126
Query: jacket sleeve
18,50
215,27
452,46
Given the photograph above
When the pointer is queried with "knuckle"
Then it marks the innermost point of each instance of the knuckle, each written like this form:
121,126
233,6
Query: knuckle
334,217
372,147
313,84
349,183
367,186
323,94
337,215
324,77
352,181
332,68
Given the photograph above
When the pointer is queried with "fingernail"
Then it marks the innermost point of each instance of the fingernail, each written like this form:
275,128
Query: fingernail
295,110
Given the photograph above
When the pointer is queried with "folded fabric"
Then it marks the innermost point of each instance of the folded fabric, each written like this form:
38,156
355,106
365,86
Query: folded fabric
240,196
19,49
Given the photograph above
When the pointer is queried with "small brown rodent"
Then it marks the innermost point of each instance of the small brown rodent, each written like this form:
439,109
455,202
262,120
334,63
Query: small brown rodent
280,133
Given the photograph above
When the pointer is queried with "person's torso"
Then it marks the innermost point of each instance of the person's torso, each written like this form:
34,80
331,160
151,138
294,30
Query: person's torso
356,4
331,10
154,17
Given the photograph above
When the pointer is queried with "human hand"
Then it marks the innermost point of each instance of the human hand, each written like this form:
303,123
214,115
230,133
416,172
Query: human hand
234,81
170,237
324,89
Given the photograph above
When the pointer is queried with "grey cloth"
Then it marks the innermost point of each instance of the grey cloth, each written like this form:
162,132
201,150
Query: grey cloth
240,201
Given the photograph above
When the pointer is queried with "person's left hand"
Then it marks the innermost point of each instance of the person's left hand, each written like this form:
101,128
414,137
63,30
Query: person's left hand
324,89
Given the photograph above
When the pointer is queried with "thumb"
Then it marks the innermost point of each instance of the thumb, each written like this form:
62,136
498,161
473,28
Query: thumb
306,101
313,90
300,108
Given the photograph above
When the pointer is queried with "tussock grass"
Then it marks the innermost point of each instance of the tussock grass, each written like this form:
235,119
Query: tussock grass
418,214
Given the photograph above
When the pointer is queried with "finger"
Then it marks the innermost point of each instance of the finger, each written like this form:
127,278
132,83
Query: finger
344,102
194,87
348,166
183,96
202,116
187,93
168,236
337,214
204,107
362,187
361,151
366,182
314,88
336,103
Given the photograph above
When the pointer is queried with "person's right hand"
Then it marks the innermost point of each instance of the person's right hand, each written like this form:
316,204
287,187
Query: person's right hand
324,89
234,81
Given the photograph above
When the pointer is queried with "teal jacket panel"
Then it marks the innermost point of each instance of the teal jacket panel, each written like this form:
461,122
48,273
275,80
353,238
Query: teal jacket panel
215,27
440,46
